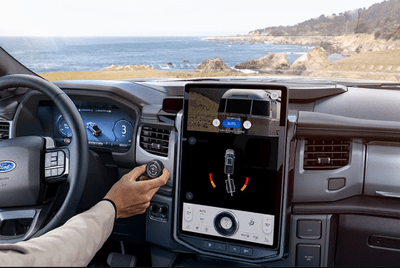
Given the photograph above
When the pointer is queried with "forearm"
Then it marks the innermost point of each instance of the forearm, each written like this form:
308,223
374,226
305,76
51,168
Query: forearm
73,244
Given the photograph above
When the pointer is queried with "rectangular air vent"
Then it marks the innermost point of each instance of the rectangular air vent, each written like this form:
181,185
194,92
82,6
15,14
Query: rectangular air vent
4,130
155,140
326,154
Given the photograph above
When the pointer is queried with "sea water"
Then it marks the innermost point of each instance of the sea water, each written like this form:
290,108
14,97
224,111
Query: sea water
62,54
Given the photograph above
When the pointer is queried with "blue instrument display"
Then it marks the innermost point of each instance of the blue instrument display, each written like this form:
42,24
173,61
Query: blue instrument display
105,127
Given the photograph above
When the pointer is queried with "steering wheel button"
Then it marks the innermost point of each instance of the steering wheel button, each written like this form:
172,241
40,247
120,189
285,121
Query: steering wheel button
60,171
61,161
47,163
47,173
54,154
54,172
53,163
53,159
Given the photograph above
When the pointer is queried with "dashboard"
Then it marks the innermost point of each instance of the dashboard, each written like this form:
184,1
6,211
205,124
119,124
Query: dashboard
264,171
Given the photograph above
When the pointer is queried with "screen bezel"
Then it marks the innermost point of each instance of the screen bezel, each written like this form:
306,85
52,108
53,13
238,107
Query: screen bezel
281,159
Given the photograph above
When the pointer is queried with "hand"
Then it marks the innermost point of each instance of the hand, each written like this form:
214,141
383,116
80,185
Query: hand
132,197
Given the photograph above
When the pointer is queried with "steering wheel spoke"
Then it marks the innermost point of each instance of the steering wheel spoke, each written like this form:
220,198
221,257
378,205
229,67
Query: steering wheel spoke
20,224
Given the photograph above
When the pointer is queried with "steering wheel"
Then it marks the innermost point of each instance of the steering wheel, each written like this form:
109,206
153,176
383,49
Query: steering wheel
29,163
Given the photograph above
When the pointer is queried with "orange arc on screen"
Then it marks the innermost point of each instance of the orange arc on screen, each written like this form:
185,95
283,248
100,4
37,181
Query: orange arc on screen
245,184
211,180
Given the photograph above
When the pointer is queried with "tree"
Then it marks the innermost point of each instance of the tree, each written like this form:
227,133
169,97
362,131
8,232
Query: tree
362,27
358,20
347,17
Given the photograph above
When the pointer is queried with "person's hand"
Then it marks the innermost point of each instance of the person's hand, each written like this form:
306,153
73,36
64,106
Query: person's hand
132,197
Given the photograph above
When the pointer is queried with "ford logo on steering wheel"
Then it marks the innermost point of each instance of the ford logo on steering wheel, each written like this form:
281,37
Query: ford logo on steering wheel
7,166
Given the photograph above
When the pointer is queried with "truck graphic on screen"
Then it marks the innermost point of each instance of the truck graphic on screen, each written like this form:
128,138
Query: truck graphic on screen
253,112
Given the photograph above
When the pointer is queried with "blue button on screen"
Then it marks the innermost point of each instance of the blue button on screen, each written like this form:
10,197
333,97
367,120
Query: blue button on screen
231,123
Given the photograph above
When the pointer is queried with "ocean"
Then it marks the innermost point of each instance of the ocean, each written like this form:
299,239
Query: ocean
61,54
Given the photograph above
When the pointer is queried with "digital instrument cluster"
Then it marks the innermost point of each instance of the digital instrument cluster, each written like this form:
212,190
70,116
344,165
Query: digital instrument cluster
107,127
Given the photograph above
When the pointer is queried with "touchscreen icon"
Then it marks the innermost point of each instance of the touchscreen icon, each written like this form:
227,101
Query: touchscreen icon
216,123
247,124
231,123
229,170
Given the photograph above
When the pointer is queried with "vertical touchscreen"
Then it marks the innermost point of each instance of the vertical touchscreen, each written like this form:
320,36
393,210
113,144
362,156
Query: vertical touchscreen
230,186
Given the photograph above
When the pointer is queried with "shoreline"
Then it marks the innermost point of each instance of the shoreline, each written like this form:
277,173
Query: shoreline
346,45
375,64
327,73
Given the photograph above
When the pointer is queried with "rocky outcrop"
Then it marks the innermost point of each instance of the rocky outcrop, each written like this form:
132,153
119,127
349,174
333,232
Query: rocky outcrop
315,59
269,62
255,64
213,65
347,45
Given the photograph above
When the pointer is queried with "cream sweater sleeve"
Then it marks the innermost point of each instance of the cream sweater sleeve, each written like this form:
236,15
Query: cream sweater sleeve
73,244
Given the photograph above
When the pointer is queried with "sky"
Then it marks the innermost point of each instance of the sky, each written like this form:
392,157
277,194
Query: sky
160,17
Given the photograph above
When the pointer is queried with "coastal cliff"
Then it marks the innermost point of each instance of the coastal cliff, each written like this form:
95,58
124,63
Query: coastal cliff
376,28
346,45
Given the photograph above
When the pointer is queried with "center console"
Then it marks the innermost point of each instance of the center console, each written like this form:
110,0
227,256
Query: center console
229,195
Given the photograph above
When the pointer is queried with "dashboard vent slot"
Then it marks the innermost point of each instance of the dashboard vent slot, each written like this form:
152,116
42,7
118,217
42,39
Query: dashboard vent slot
326,154
4,130
155,140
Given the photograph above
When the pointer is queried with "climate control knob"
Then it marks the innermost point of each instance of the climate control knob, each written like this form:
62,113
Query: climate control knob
226,223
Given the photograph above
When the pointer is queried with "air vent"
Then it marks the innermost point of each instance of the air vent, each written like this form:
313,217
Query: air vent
4,130
326,154
155,140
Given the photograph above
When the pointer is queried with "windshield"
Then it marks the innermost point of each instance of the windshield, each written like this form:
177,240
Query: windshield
186,39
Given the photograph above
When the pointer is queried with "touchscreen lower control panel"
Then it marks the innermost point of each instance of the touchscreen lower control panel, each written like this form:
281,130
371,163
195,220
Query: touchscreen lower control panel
234,224
230,188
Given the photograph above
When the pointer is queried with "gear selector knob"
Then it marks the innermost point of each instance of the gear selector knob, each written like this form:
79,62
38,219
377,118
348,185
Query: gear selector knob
154,169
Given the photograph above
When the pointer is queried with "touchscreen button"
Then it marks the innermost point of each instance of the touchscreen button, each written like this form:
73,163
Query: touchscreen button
188,213
267,224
